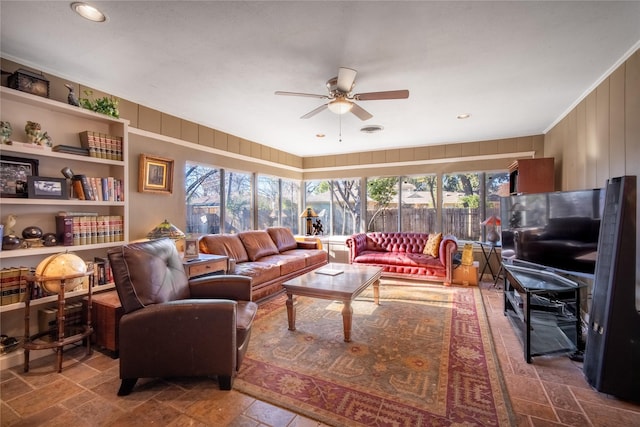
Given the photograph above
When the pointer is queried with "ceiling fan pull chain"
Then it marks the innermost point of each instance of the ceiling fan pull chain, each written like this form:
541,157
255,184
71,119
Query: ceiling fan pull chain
340,124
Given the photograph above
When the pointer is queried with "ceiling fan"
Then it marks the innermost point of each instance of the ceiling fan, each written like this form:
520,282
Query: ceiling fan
341,99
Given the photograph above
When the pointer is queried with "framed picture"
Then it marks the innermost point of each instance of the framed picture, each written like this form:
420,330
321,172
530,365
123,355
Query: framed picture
42,187
156,175
190,248
14,172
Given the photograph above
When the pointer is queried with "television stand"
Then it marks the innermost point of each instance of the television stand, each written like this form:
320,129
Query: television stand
544,309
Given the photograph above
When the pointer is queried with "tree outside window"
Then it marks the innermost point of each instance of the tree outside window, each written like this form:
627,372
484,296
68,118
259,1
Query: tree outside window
238,194
268,202
202,198
382,204
461,205
290,208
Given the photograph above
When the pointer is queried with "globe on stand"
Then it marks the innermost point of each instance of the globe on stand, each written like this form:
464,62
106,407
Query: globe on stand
59,267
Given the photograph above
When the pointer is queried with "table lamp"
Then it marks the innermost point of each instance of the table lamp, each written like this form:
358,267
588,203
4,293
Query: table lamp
309,214
165,229
492,234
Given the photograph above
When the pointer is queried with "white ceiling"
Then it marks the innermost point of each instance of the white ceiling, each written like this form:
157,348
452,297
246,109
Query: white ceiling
516,67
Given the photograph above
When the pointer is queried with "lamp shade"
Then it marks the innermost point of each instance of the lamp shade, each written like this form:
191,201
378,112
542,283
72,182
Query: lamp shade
308,213
165,229
492,220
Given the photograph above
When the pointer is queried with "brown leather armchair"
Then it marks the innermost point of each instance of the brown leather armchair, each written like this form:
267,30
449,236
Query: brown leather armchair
175,327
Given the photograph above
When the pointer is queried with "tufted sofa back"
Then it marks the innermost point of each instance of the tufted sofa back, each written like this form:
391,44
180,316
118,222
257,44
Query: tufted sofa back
397,242
148,273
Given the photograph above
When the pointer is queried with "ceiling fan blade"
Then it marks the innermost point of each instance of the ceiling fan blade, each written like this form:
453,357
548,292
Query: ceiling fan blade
346,77
314,112
391,94
360,112
309,95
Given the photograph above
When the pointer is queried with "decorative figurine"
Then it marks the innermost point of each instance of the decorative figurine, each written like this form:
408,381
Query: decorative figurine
49,239
317,227
10,242
35,134
9,224
33,131
46,140
72,99
6,132
32,232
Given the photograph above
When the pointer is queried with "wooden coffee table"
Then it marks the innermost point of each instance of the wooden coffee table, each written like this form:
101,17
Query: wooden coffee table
344,287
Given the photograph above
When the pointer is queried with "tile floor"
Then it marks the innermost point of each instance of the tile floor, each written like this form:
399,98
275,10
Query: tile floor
551,391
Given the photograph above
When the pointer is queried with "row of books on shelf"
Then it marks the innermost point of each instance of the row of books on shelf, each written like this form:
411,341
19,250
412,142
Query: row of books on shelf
13,281
82,228
108,189
102,145
48,319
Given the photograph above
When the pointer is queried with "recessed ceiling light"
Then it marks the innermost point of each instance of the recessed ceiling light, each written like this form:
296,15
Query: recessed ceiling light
320,135
88,12
463,116
371,129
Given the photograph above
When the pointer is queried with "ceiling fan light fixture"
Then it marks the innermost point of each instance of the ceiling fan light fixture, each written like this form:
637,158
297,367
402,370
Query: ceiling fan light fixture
340,106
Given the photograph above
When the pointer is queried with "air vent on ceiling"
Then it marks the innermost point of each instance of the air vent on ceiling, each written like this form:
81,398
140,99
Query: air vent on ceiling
371,129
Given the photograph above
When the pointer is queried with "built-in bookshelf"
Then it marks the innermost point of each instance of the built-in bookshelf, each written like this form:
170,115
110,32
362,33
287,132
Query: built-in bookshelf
64,124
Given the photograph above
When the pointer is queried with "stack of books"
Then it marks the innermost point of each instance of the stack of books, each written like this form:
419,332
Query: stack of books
69,149
102,145
13,285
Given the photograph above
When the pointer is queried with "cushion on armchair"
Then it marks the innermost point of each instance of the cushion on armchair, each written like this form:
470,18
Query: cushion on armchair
155,268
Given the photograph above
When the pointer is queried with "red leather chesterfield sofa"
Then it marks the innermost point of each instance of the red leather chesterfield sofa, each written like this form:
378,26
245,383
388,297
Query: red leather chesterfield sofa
401,255
269,257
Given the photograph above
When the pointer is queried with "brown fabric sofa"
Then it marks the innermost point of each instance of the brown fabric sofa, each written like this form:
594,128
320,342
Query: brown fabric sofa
269,257
401,255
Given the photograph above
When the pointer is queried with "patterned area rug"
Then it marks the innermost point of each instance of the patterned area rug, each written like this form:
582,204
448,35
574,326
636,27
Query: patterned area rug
423,357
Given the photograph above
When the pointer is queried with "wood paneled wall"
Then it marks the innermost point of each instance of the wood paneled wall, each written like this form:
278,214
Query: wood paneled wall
600,138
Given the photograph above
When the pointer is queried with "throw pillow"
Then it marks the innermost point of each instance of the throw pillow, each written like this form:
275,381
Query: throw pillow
433,245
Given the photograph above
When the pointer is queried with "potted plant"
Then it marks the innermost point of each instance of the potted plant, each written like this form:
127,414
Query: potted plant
106,105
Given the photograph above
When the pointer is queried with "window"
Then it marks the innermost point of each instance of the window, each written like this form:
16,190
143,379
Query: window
278,203
238,194
419,202
318,197
397,203
268,202
461,205
346,206
290,205
382,204
203,198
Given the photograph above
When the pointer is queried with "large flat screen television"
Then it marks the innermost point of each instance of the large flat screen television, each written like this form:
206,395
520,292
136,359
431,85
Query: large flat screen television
558,229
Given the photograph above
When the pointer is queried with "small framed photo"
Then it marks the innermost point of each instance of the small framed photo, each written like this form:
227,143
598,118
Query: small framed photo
41,187
156,175
14,172
190,248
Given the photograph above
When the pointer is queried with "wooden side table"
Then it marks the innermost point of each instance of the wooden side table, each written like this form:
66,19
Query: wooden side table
106,313
205,264
466,274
